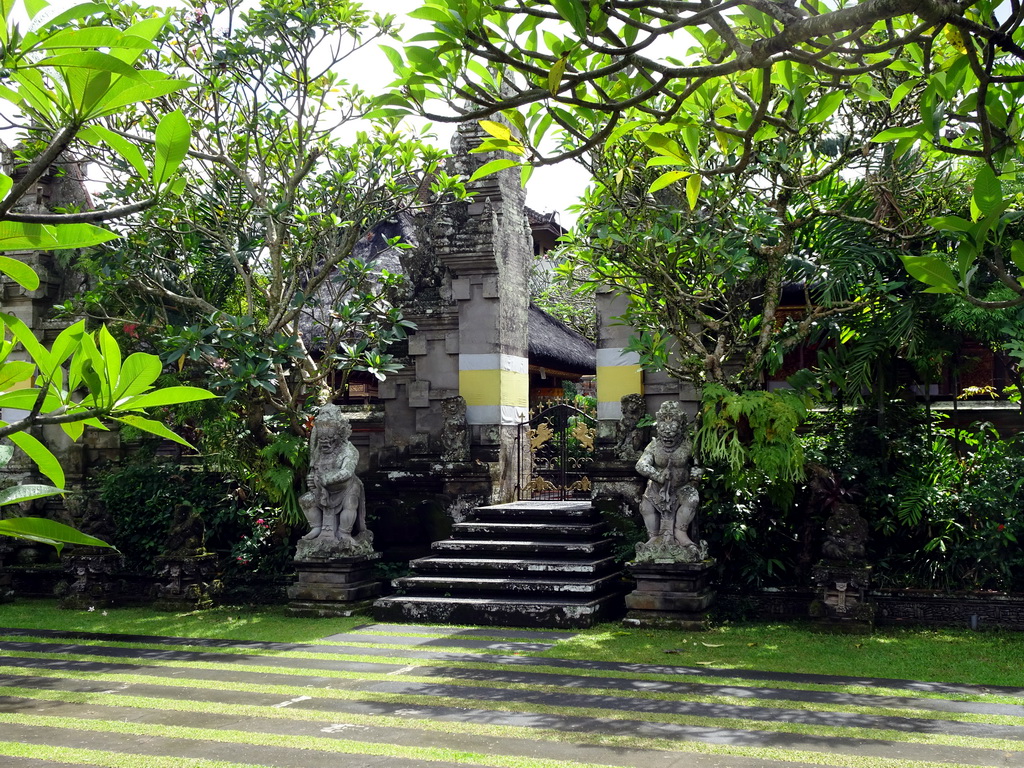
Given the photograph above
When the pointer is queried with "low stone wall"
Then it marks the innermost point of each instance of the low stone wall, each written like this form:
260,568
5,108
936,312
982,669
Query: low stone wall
894,608
41,581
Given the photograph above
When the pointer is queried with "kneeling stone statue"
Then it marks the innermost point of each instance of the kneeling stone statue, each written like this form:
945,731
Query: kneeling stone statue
335,504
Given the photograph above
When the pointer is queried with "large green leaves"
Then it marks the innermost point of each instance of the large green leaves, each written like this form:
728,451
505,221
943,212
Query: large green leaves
47,532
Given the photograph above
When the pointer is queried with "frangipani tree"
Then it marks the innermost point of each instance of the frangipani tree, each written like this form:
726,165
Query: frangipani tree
62,75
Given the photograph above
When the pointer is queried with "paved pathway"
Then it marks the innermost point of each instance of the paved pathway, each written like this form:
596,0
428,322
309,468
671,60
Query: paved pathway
412,697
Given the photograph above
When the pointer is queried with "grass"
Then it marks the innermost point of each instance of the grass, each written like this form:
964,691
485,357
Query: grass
948,655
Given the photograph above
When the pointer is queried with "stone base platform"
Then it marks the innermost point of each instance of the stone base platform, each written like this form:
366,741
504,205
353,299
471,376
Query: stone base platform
669,595
338,587
843,605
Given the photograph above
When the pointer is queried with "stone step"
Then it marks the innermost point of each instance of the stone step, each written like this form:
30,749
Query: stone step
467,586
568,613
527,530
538,511
514,566
490,547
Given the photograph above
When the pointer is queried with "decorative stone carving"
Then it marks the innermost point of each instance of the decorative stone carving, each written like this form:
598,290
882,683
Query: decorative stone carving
843,577
454,430
669,504
630,438
847,534
335,504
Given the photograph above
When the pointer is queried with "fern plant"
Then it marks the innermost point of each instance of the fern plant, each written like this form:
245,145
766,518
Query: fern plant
753,433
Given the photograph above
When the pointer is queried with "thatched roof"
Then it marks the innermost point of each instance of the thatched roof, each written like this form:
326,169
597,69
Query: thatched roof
555,345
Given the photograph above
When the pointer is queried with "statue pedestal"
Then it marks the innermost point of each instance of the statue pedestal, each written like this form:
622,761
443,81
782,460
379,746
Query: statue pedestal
185,583
90,580
842,604
340,586
669,595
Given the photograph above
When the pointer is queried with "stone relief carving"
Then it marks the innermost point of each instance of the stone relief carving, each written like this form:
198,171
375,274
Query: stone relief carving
629,437
670,501
847,534
335,504
454,430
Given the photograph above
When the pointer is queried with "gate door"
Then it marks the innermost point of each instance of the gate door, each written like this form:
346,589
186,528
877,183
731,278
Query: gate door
555,449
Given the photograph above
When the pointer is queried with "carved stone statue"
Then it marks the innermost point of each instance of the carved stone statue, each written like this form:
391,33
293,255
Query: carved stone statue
454,430
335,504
629,438
847,534
669,503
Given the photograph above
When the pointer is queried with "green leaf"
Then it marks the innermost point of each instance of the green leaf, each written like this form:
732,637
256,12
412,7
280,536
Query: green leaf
119,144
525,172
92,60
47,532
825,108
24,335
693,190
497,130
66,343
126,92
19,272
932,271
166,396
988,192
173,135
900,93
573,12
431,13
138,373
669,177
6,454
492,167
1017,254
6,182
111,354
19,493
393,56
16,236
15,371
910,132
40,454
152,427
555,75
949,223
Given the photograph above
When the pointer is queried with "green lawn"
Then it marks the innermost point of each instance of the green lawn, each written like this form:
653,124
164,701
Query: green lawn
985,658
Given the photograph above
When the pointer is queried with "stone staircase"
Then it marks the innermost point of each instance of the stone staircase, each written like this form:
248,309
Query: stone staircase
525,564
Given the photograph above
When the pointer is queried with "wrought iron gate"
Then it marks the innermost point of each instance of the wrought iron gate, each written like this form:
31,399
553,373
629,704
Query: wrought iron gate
555,449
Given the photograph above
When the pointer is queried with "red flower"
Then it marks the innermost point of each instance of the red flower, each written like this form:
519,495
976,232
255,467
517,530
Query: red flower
1000,527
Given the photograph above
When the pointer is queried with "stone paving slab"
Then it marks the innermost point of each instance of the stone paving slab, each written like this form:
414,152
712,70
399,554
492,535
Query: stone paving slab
612,726
528,661
628,698
534,678
278,757
9,761
446,641
539,635
523,747
697,709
